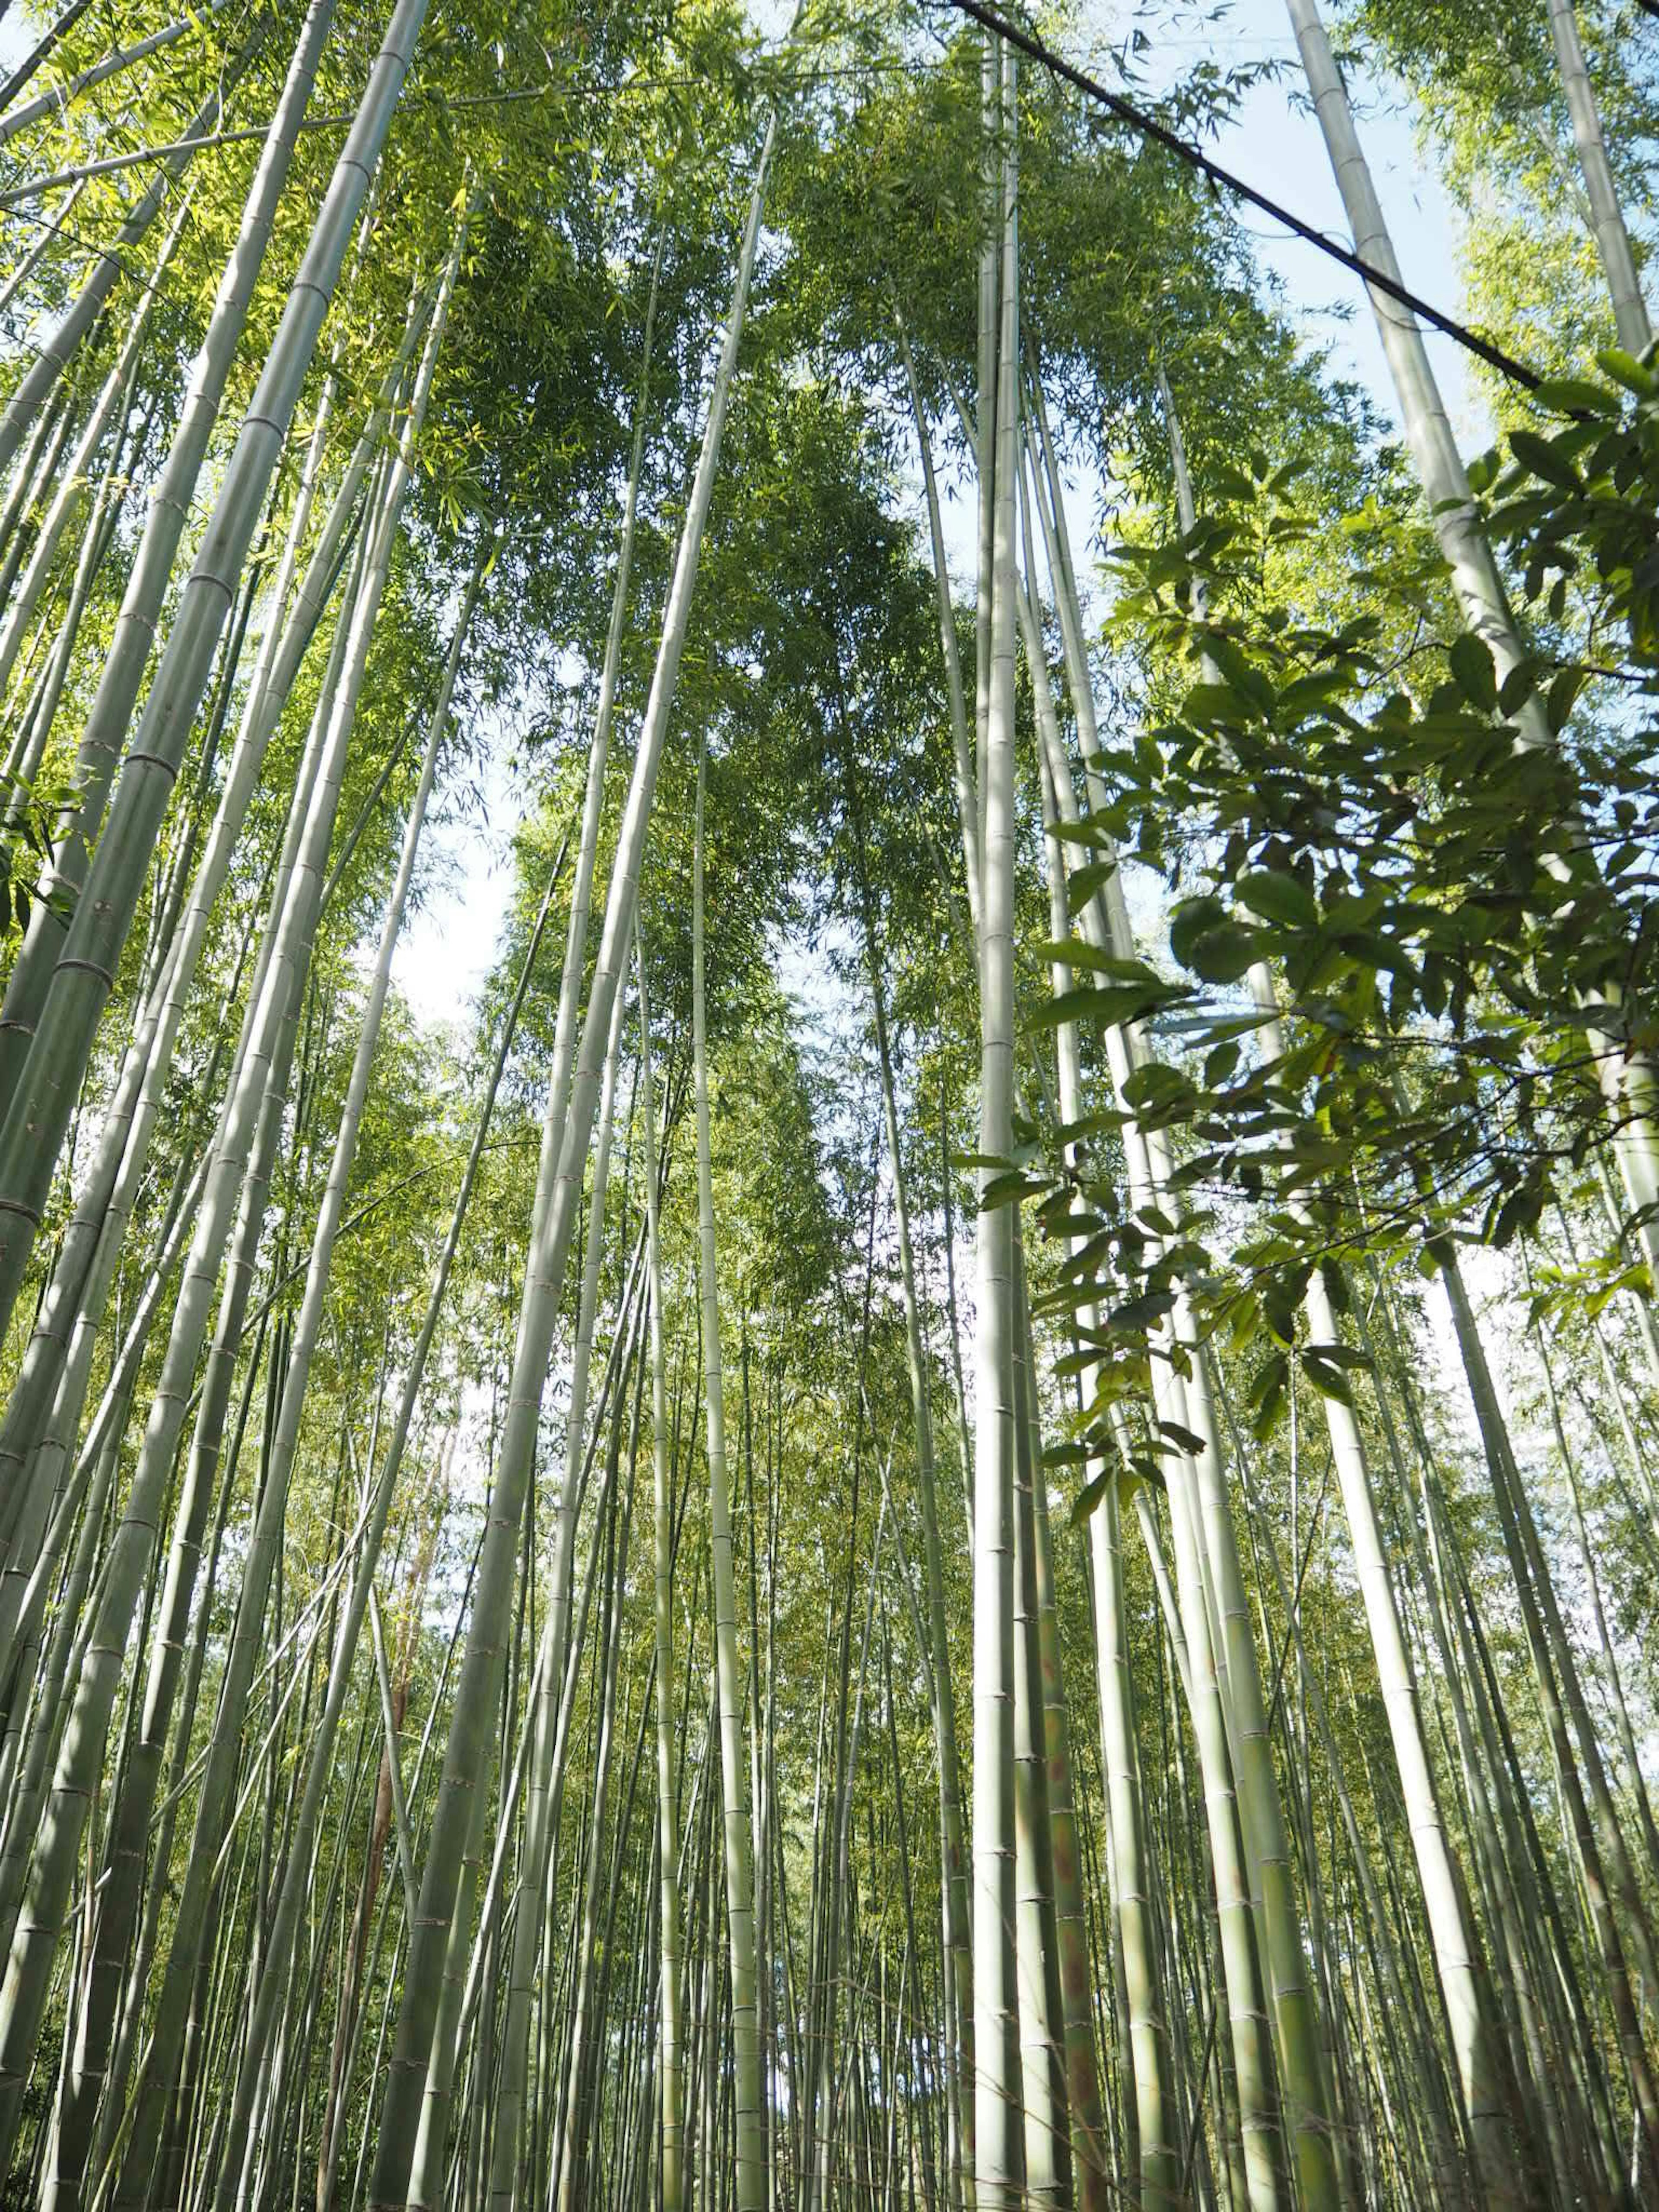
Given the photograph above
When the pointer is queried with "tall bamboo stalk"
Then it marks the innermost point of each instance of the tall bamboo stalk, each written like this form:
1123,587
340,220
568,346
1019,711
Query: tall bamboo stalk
999,2147
558,1182
751,2170
46,1085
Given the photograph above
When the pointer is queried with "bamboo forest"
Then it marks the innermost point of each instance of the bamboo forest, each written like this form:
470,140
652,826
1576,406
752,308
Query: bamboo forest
829,1105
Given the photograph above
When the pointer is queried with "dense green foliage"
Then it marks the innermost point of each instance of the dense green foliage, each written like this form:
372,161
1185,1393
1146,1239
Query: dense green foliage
1062,1612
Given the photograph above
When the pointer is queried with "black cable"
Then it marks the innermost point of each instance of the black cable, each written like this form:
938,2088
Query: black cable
1149,127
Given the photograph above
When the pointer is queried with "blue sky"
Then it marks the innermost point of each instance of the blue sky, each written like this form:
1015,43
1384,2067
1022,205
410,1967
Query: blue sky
1274,144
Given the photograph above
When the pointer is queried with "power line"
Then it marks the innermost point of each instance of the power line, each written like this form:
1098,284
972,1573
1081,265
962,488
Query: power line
1149,127
1137,118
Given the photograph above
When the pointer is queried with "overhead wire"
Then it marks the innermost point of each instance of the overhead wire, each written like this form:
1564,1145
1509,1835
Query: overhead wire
1126,112
1148,126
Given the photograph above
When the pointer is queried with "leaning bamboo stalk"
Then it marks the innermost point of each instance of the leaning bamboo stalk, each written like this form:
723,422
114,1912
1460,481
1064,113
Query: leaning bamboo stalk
1463,544
1608,223
241,1155
33,1941
62,1345
125,1849
516,2025
134,637
309,1322
554,1651
90,1247
558,1182
27,263
80,983
116,393
36,723
427,2184
62,97
304,902
136,1991
89,1481
618,1366
35,471
243,1163
53,350
42,51
1604,1859
587,843
57,1473
40,1749
1622,1071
